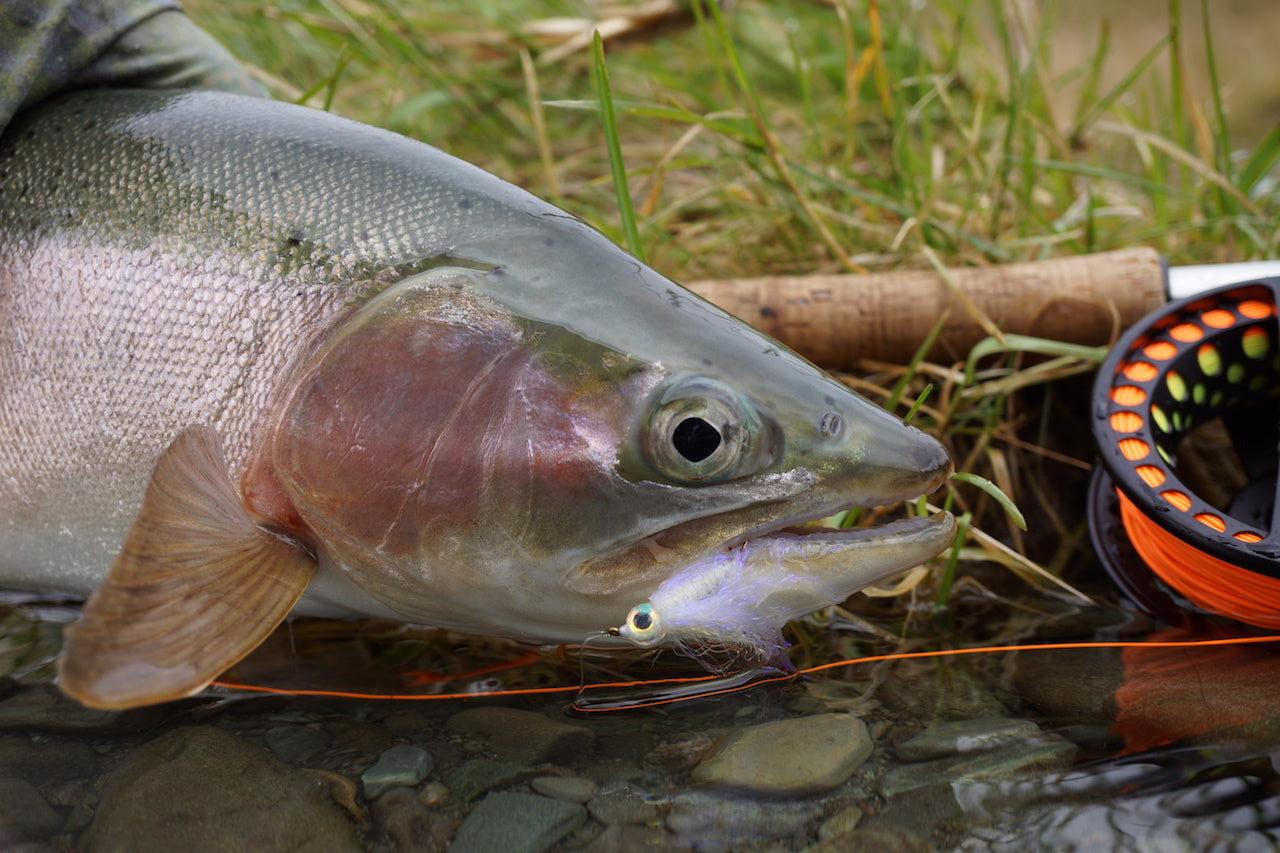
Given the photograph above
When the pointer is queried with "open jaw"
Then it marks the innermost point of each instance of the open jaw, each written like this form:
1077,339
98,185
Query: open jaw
742,595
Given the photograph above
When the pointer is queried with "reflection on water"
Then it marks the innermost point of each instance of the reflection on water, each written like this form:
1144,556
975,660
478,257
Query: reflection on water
1192,799
1146,748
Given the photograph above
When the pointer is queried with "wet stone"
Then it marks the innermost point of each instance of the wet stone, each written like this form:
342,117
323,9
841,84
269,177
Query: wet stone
406,723
966,736
481,775
292,744
703,819
840,823
788,758
45,709
623,805
998,765
399,766
25,815
1071,684
400,817
627,838
881,839
203,789
571,789
46,762
523,737
923,690
516,823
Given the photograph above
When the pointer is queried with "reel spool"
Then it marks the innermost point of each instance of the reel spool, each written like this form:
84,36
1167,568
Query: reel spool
1186,416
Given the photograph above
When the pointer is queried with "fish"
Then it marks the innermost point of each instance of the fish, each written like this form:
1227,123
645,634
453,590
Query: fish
258,359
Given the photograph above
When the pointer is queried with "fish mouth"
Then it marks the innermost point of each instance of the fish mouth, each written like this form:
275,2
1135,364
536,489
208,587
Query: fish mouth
879,551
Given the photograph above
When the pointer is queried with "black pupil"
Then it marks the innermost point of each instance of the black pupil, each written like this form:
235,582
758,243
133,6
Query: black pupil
641,620
695,439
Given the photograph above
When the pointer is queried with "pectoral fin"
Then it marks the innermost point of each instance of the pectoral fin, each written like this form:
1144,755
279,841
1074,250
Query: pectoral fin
196,587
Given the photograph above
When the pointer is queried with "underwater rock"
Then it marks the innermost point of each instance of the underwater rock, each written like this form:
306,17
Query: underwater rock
46,709
204,789
482,775
25,815
45,761
523,737
881,839
292,744
571,789
629,838
400,766
705,819
966,736
1071,684
928,690
840,823
1050,753
623,805
788,758
516,823
400,817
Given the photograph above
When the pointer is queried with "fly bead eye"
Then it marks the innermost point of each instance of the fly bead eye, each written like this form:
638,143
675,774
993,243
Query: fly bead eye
642,626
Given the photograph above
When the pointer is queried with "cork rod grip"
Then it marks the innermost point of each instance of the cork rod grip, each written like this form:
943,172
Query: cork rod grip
835,320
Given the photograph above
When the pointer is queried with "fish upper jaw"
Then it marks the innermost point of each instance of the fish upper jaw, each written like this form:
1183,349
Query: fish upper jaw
925,466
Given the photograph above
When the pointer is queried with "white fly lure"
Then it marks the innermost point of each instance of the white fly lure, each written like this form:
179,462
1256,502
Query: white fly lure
741,598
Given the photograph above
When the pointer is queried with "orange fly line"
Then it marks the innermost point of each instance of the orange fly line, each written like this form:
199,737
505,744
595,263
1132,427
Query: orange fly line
779,677
1211,583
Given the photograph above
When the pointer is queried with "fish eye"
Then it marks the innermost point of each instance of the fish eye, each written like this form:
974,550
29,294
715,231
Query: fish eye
642,626
702,431
695,439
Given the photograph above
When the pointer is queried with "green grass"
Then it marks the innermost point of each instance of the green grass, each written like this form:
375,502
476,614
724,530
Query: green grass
791,136
782,136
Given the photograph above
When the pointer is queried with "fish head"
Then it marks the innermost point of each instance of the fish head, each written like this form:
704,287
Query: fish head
532,436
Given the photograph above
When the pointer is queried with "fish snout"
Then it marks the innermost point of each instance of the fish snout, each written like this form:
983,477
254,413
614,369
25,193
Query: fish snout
901,464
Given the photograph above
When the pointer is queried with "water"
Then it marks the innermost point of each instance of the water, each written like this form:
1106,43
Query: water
1140,748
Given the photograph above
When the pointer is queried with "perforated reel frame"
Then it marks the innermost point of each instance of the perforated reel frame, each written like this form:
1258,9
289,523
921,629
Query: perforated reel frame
1212,357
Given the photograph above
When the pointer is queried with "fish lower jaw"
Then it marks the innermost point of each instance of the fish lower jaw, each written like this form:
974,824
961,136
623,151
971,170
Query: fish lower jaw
894,545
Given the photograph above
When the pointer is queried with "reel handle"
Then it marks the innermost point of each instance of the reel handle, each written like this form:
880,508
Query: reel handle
836,320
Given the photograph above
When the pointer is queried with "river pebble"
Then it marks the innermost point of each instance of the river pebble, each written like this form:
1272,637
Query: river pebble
203,789
997,765
881,839
523,737
789,757
516,823
571,789
45,709
706,819
965,736
482,775
1075,685
402,765
296,743
623,804
42,761
402,819
629,838
844,821
25,815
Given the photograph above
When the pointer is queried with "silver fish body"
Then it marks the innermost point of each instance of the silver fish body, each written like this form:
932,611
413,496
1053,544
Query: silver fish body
456,400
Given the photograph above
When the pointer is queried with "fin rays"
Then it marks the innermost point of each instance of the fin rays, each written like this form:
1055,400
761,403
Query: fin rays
196,587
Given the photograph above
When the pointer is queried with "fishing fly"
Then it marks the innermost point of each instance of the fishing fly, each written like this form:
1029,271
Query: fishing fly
737,599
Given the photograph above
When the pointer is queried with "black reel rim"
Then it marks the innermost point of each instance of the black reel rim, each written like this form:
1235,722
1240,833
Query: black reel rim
1216,354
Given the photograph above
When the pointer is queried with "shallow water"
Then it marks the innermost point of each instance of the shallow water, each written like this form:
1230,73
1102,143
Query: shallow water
1142,748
